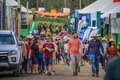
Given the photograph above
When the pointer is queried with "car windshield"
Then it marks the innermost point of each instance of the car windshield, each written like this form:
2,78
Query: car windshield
6,39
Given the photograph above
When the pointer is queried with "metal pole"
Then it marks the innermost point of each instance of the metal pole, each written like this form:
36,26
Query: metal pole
1,10
65,3
80,4
19,18
37,4
4,14
27,14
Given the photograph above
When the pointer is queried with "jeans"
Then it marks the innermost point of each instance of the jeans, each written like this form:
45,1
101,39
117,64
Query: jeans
24,64
75,62
42,64
95,64
68,59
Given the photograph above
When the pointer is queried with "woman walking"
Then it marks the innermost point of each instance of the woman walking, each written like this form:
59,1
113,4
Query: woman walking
111,50
35,55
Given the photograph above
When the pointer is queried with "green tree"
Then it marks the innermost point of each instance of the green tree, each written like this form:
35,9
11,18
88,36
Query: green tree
57,4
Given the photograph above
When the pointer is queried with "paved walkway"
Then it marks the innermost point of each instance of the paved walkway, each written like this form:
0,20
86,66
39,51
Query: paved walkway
63,72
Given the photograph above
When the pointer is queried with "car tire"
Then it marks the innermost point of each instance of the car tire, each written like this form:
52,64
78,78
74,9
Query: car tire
18,71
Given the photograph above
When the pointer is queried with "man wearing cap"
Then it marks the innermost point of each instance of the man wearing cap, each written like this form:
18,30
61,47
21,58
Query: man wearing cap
94,46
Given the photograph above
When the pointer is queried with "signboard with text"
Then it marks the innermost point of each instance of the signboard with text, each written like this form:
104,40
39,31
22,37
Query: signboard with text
42,9
66,10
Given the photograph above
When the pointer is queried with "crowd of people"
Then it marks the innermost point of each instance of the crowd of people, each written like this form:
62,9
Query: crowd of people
41,52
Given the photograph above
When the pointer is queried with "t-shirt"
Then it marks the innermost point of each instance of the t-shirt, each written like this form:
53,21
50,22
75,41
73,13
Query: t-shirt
35,49
66,48
48,54
74,46
28,46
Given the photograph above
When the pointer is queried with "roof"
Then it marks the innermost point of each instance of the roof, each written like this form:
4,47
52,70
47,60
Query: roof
100,5
96,6
115,10
109,7
23,9
11,3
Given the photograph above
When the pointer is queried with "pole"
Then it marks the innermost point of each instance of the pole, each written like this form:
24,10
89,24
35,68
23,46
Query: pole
19,18
4,21
80,4
65,3
37,3
27,14
99,21
1,10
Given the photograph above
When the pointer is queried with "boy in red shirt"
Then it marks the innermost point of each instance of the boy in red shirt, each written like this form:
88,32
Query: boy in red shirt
48,49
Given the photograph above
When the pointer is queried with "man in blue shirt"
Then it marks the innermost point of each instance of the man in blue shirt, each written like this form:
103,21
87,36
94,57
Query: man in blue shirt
94,46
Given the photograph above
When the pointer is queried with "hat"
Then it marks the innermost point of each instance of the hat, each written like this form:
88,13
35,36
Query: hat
95,35
66,38
29,37
118,43
111,40
104,39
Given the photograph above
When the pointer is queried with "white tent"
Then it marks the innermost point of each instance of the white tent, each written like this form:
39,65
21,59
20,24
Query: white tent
23,9
11,3
100,5
96,6
115,10
111,6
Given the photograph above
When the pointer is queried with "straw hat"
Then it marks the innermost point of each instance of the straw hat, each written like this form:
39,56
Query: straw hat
104,39
111,40
119,43
29,37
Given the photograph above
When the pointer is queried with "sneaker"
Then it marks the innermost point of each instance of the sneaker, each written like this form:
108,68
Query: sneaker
52,73
46,72
49,73
93,75
79,69
97,75
74,74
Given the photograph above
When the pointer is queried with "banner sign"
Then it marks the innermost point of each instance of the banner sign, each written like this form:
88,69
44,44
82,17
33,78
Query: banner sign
88,19
66,10
116,0
41,9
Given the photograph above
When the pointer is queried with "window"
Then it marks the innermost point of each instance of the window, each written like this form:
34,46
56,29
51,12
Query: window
7,39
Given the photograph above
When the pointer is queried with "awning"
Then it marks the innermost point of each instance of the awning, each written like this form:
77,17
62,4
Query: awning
11,3
23,9
109,7
96,6
115,10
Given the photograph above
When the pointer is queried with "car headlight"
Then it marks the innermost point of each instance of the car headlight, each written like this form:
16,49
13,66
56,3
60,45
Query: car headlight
13,52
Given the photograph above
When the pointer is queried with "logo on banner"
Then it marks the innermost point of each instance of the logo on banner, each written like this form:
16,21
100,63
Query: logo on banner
41,9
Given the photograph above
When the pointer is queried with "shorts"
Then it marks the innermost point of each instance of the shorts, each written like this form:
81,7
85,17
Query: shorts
48,61
29,60
35,60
